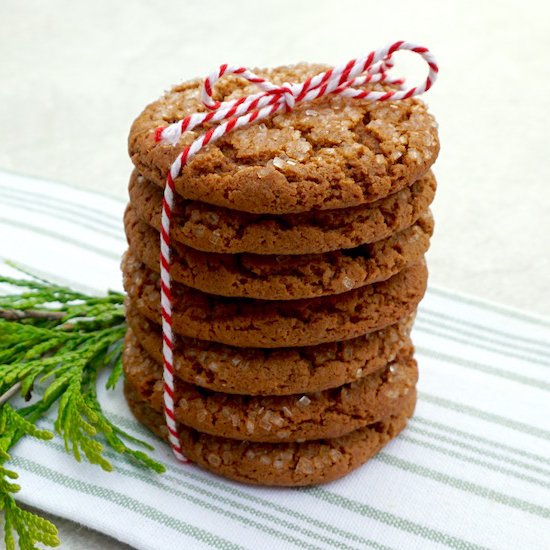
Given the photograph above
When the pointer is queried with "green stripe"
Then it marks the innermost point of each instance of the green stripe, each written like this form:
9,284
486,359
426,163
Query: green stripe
452,429
496,345
419,325
63,184
120,461
483,415
232,490
488,306
463,485
250,497
390,519
478,450
155,481
508,335
285,523
472,460
124,501
487,369
53,203
373,513
63,238
60,214
234,504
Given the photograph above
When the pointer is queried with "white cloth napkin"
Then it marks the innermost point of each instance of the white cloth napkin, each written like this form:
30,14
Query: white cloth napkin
471,470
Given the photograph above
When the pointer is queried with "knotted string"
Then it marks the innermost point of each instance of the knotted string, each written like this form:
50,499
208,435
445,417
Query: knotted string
346,80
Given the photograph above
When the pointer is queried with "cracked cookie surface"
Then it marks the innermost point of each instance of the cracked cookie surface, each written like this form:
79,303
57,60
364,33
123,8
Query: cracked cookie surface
275,371
326,414
278,464
283,277
214,229
328,153
245,322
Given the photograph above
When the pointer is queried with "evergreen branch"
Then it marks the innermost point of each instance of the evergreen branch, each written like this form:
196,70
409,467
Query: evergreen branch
30,528
16,315
60,340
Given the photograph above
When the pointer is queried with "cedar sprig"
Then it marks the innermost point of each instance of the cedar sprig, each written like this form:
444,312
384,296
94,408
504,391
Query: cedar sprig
30,528
54,342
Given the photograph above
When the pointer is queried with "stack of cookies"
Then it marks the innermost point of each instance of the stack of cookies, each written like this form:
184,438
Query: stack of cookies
298,264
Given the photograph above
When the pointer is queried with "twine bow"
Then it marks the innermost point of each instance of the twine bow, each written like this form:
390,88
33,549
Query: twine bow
346,80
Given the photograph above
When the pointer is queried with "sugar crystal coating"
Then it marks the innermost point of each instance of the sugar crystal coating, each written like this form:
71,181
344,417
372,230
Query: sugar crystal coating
263,418
304,401
343,152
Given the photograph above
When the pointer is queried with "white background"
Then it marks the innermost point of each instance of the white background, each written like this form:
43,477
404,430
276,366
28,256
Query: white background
74,74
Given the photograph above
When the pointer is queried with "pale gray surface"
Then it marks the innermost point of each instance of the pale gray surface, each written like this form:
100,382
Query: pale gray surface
75,74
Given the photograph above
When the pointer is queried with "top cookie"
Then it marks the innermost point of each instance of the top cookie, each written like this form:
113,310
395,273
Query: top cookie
328,153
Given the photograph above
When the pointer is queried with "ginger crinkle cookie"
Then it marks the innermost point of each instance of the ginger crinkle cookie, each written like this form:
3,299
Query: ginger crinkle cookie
214,229
330,413
273,371
297,264
278,464
276,323
282,277
327,153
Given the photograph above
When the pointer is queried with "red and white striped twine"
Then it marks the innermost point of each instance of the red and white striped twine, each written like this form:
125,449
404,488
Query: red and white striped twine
343,80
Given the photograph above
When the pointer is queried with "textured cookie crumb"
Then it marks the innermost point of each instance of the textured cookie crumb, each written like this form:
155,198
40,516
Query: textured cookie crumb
270,324
283,277
274,371
330,413
277,464
214,229
348,153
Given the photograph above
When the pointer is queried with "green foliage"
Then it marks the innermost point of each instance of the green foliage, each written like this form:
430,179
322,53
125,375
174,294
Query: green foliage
30,528
59,340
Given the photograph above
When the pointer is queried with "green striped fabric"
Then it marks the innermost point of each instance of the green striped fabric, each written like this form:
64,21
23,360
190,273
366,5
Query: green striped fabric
472,470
